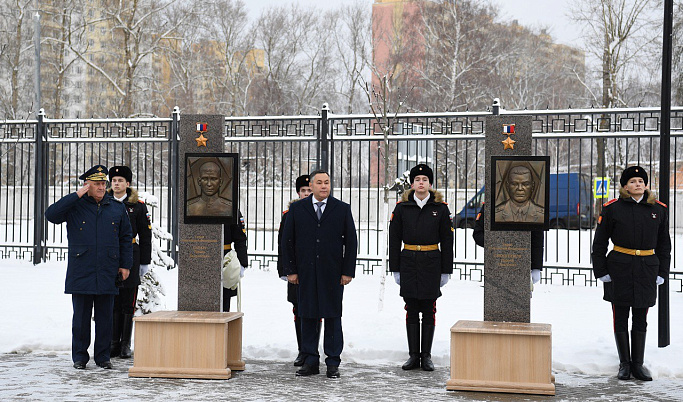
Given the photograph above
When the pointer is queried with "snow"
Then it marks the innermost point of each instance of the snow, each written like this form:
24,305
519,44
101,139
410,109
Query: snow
38,319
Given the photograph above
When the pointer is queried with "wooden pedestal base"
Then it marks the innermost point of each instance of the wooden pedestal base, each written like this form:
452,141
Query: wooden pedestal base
187,344
509,357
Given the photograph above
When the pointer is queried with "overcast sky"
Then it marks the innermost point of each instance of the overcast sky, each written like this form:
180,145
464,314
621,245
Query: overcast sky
531,13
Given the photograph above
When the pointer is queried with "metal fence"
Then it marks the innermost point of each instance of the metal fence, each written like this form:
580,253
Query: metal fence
275,150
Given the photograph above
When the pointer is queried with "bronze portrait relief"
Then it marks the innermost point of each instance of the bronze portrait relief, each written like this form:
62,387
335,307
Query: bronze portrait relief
210,188
520,194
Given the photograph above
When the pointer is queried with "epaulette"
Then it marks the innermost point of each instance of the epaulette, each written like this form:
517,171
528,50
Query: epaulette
398,202
285,211
444,202
141,202
612,201
662,204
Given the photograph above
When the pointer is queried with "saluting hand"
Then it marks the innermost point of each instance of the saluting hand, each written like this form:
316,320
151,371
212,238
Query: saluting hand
81,191
345,280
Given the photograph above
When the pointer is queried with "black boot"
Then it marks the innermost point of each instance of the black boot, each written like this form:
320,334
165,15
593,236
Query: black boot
413,331
637,356
624,351
115,349
300,358
427,338
126,333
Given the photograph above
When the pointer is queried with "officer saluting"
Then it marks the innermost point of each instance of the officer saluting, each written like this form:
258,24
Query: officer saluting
100,246
421,221
638,226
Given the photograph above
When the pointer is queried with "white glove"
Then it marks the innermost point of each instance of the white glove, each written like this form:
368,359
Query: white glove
397,278
535,275
284,278
444,279
605,278
242,272
143,269
660,280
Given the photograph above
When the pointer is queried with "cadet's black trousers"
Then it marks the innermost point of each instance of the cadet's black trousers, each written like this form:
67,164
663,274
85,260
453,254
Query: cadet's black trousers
416,306
124,302
621,314
80,326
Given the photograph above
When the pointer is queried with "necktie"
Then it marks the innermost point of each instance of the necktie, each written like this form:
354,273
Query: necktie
320,209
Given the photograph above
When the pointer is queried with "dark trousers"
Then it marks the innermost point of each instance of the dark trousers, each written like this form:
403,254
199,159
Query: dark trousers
333,341
124,302
227,294
80,326
621,313
416,306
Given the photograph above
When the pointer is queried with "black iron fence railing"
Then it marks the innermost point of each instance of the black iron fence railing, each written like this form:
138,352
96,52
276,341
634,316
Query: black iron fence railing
40,161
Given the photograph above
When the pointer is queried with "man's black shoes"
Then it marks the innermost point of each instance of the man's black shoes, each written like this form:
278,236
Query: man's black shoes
299,361
332,371
307,370
79,365
105,365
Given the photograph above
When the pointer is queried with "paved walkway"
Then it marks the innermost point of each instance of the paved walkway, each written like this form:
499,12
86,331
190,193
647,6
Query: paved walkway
51,377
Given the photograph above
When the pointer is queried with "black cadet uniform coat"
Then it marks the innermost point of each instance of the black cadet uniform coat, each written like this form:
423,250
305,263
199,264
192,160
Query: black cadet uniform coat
100,242
292,289
421,270
639,226
537,239
237,234
320,253
142,229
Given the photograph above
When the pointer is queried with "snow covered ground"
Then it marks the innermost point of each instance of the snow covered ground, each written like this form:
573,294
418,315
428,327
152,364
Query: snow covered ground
37,318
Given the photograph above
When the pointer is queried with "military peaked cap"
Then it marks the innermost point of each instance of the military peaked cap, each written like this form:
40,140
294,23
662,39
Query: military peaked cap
95,173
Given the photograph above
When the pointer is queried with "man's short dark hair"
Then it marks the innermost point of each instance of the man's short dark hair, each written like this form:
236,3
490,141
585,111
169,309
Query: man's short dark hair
319,171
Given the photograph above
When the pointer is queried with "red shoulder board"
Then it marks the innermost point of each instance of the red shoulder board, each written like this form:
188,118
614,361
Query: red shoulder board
285,211
445,203
612,201
478,216
141,202
662,204
398,202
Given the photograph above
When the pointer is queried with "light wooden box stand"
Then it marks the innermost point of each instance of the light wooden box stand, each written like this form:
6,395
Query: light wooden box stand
187,344
509,357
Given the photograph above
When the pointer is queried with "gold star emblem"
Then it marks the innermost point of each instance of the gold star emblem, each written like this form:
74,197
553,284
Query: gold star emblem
509,143
201,140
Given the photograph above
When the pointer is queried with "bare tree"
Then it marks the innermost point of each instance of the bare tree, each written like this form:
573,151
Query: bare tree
350,29
15,42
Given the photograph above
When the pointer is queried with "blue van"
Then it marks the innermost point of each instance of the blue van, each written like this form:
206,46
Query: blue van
571,203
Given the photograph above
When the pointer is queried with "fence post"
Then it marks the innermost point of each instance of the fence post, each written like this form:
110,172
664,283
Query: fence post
173,190
38,194
324,143
496,107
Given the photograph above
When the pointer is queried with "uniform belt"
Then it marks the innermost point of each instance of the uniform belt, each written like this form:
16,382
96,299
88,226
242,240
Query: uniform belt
631,251
135,241
227,247
421,247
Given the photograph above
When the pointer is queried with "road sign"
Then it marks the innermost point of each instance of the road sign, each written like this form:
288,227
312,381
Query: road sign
601,187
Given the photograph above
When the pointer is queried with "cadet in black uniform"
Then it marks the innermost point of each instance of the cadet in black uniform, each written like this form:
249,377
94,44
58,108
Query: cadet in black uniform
235,235
536,244
303,189
120,178
638,226
421,221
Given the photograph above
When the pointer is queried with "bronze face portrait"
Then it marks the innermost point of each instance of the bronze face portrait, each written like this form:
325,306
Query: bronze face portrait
210,191
520,192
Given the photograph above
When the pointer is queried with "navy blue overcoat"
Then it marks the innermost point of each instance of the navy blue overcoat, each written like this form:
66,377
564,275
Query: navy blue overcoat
320,252
100,242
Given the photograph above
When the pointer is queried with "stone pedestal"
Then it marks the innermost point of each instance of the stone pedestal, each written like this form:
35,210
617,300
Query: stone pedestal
181,344
501,357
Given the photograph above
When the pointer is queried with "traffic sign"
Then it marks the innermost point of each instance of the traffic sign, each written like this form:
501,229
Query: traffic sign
601,187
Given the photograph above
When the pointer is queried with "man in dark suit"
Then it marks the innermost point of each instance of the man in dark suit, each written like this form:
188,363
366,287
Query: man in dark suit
319,247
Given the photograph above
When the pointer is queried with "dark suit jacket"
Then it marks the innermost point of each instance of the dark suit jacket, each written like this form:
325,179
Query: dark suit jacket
320,252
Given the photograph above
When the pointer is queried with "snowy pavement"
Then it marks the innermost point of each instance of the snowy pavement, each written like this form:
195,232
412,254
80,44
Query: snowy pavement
36,376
